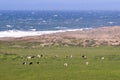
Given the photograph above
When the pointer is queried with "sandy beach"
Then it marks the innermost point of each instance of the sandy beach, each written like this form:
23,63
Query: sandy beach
91,37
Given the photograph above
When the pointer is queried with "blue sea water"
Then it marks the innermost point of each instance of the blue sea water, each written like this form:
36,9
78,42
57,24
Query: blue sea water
27,23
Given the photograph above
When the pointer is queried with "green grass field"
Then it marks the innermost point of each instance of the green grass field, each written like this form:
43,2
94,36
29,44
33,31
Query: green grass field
52,68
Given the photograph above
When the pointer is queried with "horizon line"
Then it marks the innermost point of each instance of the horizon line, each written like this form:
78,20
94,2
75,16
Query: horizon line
50,10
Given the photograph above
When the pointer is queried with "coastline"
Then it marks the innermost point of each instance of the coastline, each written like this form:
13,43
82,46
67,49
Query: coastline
91,37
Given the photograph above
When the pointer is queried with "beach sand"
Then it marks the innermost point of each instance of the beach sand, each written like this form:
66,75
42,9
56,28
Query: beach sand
91,37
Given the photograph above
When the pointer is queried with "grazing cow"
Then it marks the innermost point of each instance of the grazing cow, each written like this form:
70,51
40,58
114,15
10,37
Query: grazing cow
41,55
65,64
71,56
38,56
102,58
66,56
32,56
30,63
28,57
24,63
38,62
87,63
84,56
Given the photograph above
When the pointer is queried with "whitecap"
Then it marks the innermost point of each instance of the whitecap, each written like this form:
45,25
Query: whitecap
32,29
55,15
110,22
18,33
9,26
44,21
60,27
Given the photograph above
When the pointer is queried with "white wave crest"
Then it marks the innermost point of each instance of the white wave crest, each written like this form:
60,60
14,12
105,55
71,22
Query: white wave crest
17,33
60,27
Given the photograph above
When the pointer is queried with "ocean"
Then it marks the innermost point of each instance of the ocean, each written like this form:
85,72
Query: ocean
30,23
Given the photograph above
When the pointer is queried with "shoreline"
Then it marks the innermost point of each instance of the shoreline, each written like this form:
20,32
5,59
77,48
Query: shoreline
91,37
19,33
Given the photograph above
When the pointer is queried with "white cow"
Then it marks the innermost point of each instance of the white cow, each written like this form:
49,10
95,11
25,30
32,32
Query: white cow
71,56
87,63
38,56
28,57
102,58
65,64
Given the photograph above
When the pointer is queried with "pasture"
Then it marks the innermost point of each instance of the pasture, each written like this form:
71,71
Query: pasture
51,65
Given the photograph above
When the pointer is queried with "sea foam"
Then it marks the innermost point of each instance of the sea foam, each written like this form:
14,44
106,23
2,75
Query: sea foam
18,33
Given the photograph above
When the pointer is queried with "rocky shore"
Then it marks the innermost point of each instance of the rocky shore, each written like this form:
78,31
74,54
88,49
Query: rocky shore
84,38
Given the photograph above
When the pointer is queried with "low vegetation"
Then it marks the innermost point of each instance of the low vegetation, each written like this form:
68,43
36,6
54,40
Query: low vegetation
57,63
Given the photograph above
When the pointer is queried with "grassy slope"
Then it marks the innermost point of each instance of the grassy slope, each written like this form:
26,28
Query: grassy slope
51,68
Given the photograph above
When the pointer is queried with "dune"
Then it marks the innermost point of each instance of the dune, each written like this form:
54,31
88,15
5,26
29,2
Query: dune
91,37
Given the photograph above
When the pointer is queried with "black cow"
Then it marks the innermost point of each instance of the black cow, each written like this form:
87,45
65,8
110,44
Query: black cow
84,56
30,63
